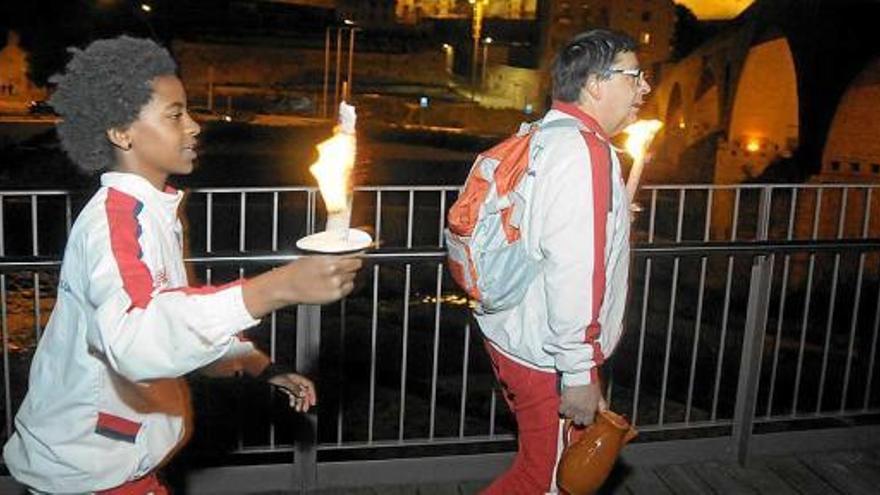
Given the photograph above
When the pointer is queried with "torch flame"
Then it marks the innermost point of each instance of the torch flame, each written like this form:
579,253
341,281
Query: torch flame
336,161
639,136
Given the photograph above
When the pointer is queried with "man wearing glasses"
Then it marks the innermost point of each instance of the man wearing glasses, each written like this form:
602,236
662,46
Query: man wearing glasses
547,350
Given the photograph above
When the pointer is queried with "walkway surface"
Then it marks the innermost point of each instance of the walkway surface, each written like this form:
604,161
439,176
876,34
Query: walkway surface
846,472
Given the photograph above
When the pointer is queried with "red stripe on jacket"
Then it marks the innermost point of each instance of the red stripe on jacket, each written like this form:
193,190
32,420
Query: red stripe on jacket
600,162
122,211
117,427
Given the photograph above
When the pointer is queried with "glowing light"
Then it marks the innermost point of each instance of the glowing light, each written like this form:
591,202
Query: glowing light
716,9
336,161
639,136
146,8
753,145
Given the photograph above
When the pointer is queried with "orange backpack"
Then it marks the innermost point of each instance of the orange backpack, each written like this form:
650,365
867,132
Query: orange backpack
485,255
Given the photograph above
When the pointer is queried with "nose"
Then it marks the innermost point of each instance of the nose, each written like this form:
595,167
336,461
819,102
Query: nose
644,86
192,127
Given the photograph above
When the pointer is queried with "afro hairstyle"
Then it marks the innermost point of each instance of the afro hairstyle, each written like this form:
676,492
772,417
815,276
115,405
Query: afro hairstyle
104,87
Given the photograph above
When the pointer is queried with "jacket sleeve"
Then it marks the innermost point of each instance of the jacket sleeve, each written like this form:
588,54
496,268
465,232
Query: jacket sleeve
145,333
573,265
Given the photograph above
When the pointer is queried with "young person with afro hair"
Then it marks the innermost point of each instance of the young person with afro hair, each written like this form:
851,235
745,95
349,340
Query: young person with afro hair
106,404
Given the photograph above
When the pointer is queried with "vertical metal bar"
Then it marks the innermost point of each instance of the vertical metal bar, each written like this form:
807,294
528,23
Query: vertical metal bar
37,317
671,318
866,218
340,410
242,221
275,221
464,379
437,306
308,344
311,211
735,222
645,292
68,214
373,330
752,349
35,227
723,339
35,250
873,356
806,318
2,228
440,238
404,354
208,221
378,217
7,391
831,304
273,321
781,311
493,408
409,219
273,346
641,354
698,320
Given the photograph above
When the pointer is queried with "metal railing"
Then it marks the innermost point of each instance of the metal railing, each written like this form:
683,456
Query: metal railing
749,305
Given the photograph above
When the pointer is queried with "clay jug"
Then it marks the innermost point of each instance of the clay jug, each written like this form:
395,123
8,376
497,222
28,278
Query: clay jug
587,460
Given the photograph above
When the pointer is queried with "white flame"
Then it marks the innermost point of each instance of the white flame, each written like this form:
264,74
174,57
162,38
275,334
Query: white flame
639,136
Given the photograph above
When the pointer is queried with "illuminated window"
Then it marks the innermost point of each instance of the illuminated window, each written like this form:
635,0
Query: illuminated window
646,38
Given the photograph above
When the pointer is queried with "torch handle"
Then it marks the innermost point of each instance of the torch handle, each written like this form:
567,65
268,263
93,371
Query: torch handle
635,176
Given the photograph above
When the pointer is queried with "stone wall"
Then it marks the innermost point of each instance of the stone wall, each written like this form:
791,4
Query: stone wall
267,66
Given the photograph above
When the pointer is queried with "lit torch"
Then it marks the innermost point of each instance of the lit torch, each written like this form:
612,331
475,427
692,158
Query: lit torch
333,170
639,136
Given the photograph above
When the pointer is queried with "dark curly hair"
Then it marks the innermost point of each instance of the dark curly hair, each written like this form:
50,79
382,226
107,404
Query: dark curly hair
104,87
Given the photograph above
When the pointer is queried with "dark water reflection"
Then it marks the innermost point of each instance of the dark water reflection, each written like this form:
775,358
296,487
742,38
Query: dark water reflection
235,154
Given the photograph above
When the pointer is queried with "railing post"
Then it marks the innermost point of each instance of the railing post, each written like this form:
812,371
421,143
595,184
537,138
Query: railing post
308,340
753,338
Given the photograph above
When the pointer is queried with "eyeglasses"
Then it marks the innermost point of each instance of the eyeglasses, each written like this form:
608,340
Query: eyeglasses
637,74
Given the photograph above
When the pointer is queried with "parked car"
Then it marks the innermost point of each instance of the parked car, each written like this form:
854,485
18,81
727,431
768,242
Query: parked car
40,107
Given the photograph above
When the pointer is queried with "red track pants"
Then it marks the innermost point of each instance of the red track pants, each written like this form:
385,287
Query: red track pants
534,399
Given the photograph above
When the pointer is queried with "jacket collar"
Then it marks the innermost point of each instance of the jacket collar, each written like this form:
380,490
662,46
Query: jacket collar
164,203
576,112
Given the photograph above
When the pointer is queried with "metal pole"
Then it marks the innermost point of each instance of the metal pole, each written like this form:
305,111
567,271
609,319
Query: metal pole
338,67
326,72
308,342
752,348
350,63
483,73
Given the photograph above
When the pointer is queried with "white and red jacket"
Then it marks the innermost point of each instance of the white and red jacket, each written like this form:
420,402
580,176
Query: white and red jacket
106,403
577,226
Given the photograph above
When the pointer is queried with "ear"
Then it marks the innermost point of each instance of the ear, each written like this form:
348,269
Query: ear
119,138
592,89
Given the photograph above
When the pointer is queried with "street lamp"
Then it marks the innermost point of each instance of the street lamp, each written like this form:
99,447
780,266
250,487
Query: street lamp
347,84
476,27
486,42
146,7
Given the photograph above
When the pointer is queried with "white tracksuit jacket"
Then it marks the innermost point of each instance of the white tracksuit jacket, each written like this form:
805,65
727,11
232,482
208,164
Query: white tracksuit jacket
106,402
577,226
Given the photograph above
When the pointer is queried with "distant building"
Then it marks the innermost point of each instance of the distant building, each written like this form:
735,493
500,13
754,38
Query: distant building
650,22
413,11
16,89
